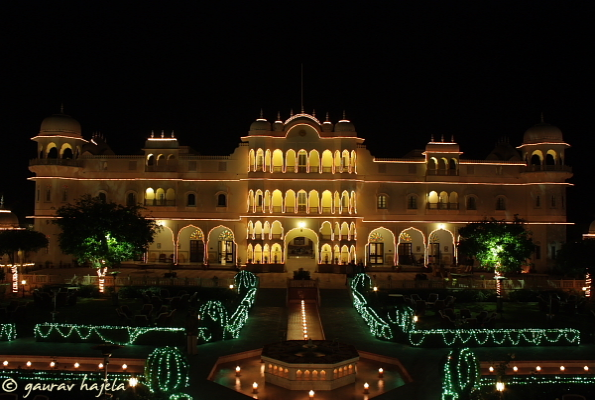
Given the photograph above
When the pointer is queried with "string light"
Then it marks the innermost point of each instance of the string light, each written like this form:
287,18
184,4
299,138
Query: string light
8,332
378,327
461,374
167,370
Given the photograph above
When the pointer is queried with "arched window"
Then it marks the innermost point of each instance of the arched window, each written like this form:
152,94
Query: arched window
537,201
553,202
500,203
67,153
471,203
412,202
382,202
221,200
102,197
131,199
53,152
150,160
191,200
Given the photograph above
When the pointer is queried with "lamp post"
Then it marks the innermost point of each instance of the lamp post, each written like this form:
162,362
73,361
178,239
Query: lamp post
23,282
106,350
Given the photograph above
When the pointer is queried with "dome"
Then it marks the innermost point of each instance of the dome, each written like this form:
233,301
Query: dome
344,126
8,220
592,228
60,124
260,124
543,132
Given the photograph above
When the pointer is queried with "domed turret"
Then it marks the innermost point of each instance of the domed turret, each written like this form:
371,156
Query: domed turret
60,125
344,126
543,133
260,124
7,219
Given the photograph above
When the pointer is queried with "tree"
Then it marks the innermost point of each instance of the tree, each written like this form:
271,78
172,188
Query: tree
16,243
103,234
497,244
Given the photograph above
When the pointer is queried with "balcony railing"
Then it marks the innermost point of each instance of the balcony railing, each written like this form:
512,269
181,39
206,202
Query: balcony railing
443,206
326,210
533,168
443,172
313,168
277,169
67,162
327,169
161,168
159,202
289,209
276,209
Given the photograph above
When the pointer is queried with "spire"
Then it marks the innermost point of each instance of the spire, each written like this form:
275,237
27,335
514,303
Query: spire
442,138
327,117
452,138
314,112
278,115
291,112
432,137
302,86
542,117
152,133
2,203
344,114
172,134
261,113
162,133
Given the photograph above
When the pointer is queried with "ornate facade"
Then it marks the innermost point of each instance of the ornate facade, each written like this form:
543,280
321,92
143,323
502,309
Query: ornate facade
303,188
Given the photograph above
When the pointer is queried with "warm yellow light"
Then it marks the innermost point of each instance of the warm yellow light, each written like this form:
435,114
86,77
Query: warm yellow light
375,288
124,366
515,368
311,394
28,363
132,382
5,363
380,372
538,368
415,318
366,385
301,224
231,286
586,368
76,365
255,385
100,365
52,364
491,369
500,386
23,282
441,226
562,368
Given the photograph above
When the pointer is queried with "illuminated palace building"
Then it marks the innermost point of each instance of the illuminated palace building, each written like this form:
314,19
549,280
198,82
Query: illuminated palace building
306,189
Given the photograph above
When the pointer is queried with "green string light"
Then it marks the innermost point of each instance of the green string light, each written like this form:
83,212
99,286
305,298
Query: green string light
167,370
86,332
461,374
180,396
378,327
8,332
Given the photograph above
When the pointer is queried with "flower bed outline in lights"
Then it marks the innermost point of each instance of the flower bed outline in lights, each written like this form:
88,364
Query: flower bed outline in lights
8,332
461,374
87,332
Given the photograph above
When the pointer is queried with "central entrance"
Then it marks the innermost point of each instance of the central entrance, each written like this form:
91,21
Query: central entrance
301,249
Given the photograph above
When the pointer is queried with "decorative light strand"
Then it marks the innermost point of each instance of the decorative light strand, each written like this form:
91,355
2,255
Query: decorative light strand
8,332
86,332
461,374
167,370
378,327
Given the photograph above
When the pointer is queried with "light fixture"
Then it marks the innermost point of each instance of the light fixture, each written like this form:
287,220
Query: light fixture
100,365
231,286
586,368
29,364
238,369
132,382
5,363
124,366
562,368
76,365
380,373
500,386
366,388
375,288
538,368
255,387
491,369
415,318
52,364
301,225
515,368
311,394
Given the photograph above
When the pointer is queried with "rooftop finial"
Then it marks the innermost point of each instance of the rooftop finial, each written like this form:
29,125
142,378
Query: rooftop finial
302,86
152,133
542,117
327,117
172,133
314,112
261,113
278,115
452,138
442,138
432,137
2,203
344,114
291,112
162,133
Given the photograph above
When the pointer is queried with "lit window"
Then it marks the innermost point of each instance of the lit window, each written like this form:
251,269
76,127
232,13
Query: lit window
382,201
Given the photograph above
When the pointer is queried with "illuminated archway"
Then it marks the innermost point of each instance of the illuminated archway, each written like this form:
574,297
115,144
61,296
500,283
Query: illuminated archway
191,245
221,246
380,249
411,248
441,247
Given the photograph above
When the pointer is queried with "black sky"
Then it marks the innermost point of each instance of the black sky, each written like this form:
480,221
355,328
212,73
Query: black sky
402,71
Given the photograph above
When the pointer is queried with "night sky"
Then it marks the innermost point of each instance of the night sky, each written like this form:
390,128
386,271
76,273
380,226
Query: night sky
401,70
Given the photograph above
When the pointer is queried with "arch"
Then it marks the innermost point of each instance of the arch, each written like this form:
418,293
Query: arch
326,254
380,249
500,203
131,199
266,206
191,200
345,254
551,158
277,161
290,201
163,248
336,254
327,161
411,247
276,230
337,162
412,201
170,197
536,157
453,164
337,231
314,161
433,200
290,161
258,256
352,253
276,253
259,160
159,159
159,197
344,202
171,158
52,150
258,231
250,253
326,231
313,202
327,202
250,201
344,233
353,203
102,196
221,200
432,164
352,231
443,163
267,161
471,202
443,200
250,230
221,245
453,201
353,162
258,201
266,254
302,161
336,202
441,247
251,160
307,245
345,162
382,201
266,230
149,197
302,200
191,244
66,151
277,201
